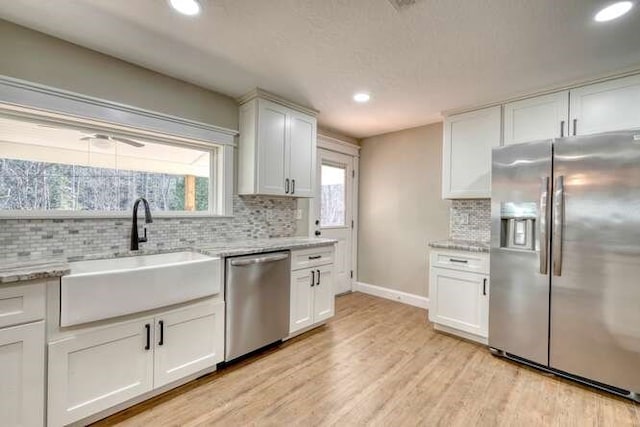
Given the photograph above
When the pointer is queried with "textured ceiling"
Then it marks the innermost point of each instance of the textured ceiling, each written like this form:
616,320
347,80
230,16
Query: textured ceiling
417,61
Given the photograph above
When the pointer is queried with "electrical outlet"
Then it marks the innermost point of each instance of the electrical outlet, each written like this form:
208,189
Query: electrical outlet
298,213
461,219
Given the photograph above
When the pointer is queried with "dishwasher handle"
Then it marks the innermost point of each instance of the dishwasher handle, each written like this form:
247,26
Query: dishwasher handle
258,260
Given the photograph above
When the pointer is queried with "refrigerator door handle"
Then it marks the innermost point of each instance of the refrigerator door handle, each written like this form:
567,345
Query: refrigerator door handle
543,221
558,225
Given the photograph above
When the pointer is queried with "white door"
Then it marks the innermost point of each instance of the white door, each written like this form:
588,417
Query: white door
334,212
273,148
606,106
466,161
302,143
301,304
188,340
323,298
459,300
534,119
22,375
95,370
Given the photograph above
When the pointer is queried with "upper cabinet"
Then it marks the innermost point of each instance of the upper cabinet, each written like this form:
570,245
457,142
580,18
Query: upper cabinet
277,147
607,106
468,140
469,137
533,119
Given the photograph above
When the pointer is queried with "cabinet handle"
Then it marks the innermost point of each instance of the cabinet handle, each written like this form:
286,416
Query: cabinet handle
293,186
161,341
148,328
575,127
318,278
313,278
286,185
562,129
315,257
484,286
461,261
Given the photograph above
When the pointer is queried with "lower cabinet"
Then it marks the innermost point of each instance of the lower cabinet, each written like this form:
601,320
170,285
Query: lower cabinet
312,296
22,375
97,369
182,348
459,298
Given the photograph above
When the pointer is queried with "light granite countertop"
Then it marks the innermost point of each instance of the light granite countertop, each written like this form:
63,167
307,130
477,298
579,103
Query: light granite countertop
461,245
30,269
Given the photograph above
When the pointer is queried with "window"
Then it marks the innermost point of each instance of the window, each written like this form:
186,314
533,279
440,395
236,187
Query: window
46,168
333,196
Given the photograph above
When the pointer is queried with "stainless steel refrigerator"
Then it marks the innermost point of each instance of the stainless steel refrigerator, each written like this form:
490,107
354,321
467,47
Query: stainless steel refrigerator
565,258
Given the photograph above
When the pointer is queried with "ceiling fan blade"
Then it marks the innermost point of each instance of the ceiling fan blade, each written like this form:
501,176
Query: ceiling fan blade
128,141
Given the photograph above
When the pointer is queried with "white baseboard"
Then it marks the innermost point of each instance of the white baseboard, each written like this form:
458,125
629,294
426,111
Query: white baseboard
403,297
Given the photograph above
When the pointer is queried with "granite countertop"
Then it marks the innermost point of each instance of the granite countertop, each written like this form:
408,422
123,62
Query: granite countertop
461,245
30,269
247,247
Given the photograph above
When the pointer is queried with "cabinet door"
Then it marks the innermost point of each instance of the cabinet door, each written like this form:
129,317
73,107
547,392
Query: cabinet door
302,133
468,140
272,148
301,300
606,106
456,300
188,340
534,119
95,370
22,375
324,295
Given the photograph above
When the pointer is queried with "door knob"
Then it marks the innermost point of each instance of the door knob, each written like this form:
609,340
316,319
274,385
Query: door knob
318,233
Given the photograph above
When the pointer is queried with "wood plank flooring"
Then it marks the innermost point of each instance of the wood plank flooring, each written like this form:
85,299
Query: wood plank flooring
379,363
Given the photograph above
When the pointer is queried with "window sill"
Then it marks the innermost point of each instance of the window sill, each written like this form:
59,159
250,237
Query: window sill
103,215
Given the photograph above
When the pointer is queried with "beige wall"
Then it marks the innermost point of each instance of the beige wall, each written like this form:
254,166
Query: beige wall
401,209
36,57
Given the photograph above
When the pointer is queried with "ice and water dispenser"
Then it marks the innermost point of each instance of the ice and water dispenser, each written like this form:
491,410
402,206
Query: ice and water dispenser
518,224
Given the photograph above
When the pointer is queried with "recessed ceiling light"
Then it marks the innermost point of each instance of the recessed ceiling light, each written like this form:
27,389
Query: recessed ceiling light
613,11
361,97
186,7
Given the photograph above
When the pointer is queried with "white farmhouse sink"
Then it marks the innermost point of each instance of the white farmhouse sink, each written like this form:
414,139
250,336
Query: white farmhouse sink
101,289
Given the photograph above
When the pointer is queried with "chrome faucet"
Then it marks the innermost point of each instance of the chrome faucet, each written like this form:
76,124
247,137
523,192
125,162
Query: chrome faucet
134,229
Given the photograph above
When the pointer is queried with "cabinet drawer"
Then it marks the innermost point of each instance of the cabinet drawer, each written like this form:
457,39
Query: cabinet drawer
21,304
462,261
306,258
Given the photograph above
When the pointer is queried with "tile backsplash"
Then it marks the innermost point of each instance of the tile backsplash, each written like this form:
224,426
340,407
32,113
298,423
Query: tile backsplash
470,219
254,217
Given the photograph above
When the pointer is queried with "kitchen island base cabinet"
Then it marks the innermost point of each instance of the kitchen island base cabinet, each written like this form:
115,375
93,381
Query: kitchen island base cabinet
459,294
101,367
312,296
22,375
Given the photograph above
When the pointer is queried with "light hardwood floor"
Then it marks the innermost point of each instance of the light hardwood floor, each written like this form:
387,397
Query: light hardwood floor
379,363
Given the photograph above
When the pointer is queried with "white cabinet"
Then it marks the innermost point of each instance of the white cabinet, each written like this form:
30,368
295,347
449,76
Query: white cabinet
607,106
96,369
92,371
312,296
301,300
468,140
324,295
277,149
538,118
459,295
188,340
22,375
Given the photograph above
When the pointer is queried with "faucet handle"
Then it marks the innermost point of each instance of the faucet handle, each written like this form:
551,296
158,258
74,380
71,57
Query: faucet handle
143,239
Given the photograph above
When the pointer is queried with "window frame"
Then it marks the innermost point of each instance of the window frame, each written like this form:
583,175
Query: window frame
26,101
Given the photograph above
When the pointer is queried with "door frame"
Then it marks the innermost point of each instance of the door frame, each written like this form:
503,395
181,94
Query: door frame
342,147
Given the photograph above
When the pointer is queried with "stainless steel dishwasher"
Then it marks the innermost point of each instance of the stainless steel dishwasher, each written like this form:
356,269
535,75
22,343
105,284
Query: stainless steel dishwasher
257,301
